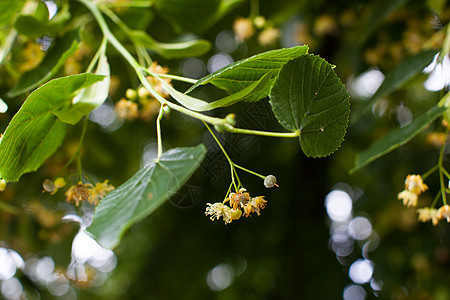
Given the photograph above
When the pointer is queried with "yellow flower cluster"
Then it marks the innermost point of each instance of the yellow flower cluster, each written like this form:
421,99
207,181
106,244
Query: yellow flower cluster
414,186
140,103
240,203
245,28
434,215
87,192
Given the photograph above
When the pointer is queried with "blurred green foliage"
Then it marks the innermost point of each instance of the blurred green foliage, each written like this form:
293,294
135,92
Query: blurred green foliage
286,253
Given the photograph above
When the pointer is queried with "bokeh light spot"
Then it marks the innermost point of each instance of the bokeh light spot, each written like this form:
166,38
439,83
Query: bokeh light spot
361,271
339,205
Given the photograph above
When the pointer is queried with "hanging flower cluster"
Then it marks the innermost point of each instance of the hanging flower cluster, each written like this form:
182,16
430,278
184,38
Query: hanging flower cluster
241,203
140,103
87,192
245,28
414,186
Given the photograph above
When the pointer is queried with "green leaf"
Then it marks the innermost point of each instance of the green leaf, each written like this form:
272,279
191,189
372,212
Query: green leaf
309,97
35,132
200,105
189,15
396,137
241,74
89,98
170,50
55,58
35,26
143,193
404,71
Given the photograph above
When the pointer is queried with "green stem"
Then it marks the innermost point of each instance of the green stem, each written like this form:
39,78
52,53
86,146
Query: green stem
233,129
174,77
126,3
139,70
441,173
158,131
429,172
99,52
233,171
248,171
445,172
436,198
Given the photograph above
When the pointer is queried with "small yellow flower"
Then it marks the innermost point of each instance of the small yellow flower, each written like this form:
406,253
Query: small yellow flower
238,200
243,28
414,183
102,188
414,186
80,192
155,82
269,36
428,214
219,210
126,109
255,205
409,198
444,213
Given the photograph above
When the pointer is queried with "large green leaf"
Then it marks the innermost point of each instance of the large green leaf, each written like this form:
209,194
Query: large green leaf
55,58
241,74
89,98
143,193
396,137
309,97
189,15
404,71
35,132
170,50
200,105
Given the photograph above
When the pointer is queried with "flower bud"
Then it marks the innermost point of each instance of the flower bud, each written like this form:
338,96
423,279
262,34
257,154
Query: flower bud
2,185
270,181
131,94
49,186
167,110
231,119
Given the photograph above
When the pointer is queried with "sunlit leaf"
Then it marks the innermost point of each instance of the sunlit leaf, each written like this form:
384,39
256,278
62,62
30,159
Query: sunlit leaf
399,75
55,58
243,73
396,137
170,50
200,105
309,97
143,193
89,98
35,132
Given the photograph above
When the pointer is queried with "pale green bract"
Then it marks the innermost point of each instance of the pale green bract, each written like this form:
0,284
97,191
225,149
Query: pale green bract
143,193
